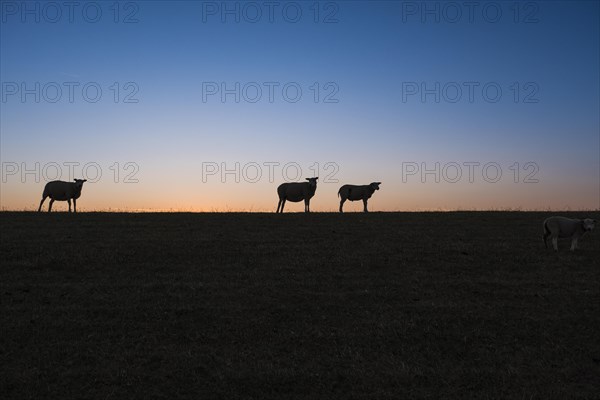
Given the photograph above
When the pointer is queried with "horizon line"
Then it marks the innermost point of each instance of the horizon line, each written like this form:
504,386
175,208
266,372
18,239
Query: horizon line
184,211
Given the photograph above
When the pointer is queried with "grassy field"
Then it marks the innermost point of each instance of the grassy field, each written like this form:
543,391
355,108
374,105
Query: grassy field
295,306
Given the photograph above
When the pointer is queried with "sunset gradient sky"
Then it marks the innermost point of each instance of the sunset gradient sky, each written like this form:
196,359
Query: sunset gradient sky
387,89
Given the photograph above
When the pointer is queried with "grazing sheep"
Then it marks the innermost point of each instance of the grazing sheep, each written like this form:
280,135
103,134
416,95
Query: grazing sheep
561,227
59,190
297,191
354,192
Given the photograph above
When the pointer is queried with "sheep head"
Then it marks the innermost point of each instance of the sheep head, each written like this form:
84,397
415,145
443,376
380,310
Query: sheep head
588,224
312,182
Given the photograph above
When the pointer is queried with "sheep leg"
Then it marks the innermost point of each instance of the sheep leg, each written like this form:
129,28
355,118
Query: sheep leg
546,234
574,244
42,202
365,204
69,201
50,205
555,243
74,205
282,204
342,205
306,205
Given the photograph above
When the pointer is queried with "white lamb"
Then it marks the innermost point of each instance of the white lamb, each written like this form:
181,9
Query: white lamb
561,227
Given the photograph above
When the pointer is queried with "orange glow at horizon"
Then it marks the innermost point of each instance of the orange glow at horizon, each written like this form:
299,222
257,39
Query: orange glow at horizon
261,197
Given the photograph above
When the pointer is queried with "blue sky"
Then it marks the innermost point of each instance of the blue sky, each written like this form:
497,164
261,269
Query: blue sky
365,58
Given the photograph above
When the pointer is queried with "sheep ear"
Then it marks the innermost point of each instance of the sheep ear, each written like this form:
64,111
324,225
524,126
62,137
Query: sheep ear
74,180
85,180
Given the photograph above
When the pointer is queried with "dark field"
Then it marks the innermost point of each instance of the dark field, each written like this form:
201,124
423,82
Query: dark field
295,306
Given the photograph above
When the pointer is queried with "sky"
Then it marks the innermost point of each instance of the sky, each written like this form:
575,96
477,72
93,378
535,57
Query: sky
209,106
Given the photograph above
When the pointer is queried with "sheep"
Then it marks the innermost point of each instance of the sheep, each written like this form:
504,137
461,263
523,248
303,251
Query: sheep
561,227
355,192
297,191
60,190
